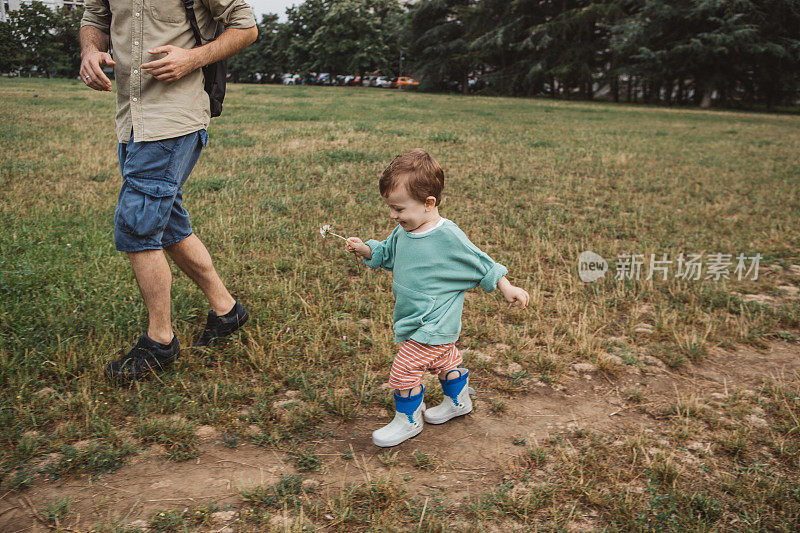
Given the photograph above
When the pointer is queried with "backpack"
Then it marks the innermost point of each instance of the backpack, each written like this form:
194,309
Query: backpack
215,73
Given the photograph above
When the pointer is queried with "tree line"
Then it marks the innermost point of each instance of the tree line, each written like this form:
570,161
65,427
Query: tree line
684,52
39,41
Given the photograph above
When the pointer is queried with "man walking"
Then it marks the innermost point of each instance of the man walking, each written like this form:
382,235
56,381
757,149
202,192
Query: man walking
162,116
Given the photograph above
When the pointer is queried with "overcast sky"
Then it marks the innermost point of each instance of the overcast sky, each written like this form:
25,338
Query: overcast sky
271,6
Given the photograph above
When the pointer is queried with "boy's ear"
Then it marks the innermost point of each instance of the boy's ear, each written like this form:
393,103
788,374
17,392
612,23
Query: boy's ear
430,202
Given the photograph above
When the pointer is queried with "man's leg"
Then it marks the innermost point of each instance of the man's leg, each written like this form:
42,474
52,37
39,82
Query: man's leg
159,347
179,241
192,257
153,174
154,279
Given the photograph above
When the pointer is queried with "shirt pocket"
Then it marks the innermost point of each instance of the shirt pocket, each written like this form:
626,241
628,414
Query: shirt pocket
411,308
168,11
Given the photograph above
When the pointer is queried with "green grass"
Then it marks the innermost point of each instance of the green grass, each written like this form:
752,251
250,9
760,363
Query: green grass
57,510
424,461
96,458
531,182
306,461
177,436
284,492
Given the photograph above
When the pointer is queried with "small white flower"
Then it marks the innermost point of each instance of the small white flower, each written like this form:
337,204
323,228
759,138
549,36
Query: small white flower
326,230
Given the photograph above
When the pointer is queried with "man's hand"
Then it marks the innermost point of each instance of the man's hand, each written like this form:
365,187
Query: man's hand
92,69
176,64
179,62
356,246
513,294
94,54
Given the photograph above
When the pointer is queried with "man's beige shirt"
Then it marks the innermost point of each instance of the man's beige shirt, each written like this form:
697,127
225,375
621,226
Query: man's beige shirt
152,108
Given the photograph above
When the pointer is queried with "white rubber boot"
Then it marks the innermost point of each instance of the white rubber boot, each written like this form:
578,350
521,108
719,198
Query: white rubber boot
407,421
456,400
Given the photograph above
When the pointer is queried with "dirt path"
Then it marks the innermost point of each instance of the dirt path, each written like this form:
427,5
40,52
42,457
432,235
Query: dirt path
472,454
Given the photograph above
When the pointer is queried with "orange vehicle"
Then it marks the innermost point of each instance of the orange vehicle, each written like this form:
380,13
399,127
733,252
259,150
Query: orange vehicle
404,82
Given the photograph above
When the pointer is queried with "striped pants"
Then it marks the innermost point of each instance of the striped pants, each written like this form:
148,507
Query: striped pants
414,358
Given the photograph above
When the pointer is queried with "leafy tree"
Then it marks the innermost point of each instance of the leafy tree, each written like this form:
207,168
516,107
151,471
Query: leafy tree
576,45
356,36
266,56
438,43
672,51
303,20
705,47
10,48
33,25
498,32
65,37
771,72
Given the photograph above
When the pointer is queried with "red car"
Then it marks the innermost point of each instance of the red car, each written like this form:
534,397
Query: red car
404,82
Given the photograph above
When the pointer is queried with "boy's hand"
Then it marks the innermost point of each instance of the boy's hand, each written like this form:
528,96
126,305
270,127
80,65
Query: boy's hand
356,246
513,294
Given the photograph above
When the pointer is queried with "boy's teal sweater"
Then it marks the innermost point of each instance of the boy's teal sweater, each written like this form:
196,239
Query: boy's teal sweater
431,273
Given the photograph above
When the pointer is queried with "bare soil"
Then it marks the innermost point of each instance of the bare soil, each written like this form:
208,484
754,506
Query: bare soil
472,453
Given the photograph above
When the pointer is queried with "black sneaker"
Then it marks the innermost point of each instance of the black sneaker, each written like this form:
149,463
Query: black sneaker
146,357
222,326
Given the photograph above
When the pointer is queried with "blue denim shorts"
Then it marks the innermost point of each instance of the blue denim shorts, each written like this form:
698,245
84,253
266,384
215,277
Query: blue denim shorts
149,213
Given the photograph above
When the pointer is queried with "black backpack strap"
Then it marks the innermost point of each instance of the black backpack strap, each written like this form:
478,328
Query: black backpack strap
188,5
214,74
108,6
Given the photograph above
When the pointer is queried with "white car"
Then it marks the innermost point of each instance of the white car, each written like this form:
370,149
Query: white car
290,79
384,82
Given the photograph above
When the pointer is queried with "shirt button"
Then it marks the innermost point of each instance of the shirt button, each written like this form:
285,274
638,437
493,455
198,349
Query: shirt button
134,99
137,14
135,71
136,43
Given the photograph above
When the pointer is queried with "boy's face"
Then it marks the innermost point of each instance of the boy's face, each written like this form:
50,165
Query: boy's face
409,212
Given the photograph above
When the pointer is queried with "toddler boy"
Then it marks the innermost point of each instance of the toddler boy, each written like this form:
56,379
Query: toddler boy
433,263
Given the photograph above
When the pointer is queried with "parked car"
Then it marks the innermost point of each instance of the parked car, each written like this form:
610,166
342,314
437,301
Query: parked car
393,83
368,81
291,79
323,78
383,82
355,81
404,82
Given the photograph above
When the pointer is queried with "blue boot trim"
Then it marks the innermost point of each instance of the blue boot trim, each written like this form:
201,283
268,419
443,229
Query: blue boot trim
453,387
408,406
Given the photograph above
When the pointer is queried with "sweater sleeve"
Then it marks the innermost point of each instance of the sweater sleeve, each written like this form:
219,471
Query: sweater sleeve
382,252
475,267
